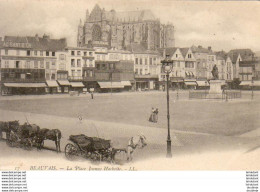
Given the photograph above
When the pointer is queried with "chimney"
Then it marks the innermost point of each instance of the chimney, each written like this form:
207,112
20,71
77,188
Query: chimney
37,37
209,48
46,37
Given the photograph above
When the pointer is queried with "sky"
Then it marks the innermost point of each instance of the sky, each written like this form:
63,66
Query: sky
222,25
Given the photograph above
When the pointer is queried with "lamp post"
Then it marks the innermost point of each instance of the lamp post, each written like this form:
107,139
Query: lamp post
252,89
167,65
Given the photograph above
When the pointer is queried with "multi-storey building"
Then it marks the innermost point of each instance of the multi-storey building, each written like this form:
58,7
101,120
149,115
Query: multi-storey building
81,67
146,67
184,67
120,29
28,62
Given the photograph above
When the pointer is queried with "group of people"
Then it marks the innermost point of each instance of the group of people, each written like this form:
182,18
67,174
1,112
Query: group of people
154,115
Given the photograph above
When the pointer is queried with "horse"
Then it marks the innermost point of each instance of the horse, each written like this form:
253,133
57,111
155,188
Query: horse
7,127
48,134
133,143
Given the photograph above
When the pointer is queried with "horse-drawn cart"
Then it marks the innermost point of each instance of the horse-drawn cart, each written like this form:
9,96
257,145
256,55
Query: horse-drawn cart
93,148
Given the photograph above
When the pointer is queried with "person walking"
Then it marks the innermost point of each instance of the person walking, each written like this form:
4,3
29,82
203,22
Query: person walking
92,92
156,111
151,119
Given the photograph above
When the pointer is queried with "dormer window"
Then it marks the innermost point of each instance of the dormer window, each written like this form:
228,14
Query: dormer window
176,55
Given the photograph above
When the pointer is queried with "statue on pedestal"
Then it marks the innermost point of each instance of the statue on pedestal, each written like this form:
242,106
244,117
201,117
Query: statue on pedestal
215,72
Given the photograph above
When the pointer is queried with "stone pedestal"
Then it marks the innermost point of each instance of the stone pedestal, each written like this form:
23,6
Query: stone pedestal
215,91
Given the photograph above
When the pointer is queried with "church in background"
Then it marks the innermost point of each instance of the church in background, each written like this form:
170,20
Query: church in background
121,29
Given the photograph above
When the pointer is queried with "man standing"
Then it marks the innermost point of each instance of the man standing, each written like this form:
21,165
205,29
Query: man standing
91,90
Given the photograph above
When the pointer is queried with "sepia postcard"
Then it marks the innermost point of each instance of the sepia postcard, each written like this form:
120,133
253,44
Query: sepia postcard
129,85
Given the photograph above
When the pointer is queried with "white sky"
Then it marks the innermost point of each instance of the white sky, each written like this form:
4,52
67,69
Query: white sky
219,24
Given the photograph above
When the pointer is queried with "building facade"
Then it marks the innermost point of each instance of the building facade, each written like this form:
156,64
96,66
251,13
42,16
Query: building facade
27,63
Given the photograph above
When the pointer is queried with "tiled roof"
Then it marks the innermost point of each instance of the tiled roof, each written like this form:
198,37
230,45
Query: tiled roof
39,43
184,51
244,53
142,15
199,49
168,51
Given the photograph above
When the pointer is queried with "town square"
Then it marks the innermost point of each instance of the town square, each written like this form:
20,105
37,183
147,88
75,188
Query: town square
123,89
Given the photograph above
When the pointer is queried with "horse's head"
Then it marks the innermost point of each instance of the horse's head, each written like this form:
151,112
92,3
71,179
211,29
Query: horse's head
142,141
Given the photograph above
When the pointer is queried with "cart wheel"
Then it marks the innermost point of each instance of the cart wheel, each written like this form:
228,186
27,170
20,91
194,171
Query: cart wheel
71,151
27,144
96,157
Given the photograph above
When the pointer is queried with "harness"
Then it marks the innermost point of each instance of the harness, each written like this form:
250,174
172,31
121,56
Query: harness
132,143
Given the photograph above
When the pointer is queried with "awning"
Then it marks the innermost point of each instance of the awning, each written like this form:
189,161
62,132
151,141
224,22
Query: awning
126,83
246,83
77,84
52,84
192,83
63,82
25,84
256,83
107,85
202,83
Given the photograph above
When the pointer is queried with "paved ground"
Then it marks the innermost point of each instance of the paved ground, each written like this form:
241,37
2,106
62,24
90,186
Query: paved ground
208,134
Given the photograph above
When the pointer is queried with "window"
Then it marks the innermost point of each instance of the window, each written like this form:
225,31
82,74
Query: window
47,65
41,53
47,53
53,64
98,66
189,55
90,63
35,52
35,64
72,62
145,61
85,53
141,61
141,71
78,52
136,71
42,64
28,53
27,64
104,66
111,66
136,60
62,57
6,64
90,53
176,55
98,57
151,61
53,76
72,53
17,52
17,64
73,73
78,62
6,51
78,73
53,54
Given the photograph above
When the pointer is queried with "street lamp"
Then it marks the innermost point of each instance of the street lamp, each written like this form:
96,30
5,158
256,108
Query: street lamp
167,65
252,89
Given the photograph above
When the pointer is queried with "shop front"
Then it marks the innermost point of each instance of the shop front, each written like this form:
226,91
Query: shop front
190,84
23,88
52,87
76,87
108,86
64,86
